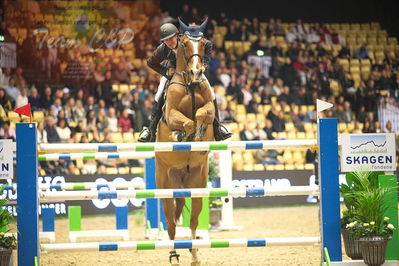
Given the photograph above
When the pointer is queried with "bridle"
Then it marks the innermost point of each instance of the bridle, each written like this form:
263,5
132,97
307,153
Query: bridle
190,88
184,74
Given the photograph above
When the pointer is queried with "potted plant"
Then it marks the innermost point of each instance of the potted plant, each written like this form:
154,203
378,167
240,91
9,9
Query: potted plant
370,226
356,181
8,241
215,203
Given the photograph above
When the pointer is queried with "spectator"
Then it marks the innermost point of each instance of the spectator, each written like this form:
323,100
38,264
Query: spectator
267,157
6,132
345,51
279,122
56,107
388,127
52,135
377,127
47,99
346,116
19,79
362,52
41,133
89,167
226,113
91,121
5,77
124,122
5,101
63,131
34,99
12,90
79,112
22,98
102,120
259,133
112,120
269,129
246,133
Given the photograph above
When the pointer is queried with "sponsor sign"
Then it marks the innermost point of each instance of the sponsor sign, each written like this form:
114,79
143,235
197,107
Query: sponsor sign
6,160
372,152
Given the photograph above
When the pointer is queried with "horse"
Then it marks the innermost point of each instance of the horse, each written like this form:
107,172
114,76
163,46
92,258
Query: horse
188,116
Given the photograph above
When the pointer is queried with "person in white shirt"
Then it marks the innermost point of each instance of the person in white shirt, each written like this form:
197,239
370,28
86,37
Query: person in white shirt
4,77
64,132
41,133
112,120
21,99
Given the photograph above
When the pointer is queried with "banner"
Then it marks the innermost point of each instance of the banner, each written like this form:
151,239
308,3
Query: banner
374,152
6,159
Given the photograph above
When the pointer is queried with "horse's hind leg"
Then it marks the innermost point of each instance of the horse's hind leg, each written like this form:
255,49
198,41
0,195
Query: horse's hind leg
169,210
196,207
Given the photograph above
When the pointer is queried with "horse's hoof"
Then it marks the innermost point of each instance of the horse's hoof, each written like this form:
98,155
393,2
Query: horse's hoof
195,263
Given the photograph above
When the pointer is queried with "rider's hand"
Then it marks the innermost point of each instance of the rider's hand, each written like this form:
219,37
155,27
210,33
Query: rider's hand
171,71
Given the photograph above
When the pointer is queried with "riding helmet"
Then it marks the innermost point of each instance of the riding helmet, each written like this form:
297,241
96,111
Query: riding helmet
168,30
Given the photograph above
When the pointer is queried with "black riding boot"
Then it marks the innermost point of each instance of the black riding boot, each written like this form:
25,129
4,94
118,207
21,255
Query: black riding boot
219,131
148,133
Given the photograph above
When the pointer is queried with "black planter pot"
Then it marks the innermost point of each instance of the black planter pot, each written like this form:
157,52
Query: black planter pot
373,250
351,244
5,256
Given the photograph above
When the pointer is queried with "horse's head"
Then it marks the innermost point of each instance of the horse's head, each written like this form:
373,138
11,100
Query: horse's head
193,49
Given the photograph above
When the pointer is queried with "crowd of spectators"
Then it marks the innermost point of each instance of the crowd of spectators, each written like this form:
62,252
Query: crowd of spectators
87,107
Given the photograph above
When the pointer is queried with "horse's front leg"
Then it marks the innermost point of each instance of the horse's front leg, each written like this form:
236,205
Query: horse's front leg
204,116
178,121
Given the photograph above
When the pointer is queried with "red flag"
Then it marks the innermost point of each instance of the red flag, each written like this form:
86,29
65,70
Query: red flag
24,110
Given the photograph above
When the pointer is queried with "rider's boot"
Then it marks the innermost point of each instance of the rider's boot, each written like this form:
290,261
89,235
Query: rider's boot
219,131
148,133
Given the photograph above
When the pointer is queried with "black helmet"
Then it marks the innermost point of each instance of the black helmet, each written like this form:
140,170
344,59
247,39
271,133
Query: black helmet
168,30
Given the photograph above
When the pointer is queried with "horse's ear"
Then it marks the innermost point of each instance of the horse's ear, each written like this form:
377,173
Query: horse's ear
203,25
183,26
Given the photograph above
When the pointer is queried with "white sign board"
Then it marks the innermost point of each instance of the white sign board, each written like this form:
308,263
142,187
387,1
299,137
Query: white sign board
373,152
6,159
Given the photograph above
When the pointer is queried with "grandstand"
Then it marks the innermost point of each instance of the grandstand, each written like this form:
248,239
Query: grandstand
120,76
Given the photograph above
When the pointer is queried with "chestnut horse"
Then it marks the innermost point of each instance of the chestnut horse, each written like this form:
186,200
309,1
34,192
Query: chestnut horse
188,114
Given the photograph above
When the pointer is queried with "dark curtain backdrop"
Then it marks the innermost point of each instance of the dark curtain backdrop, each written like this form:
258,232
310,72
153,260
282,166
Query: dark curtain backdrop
356,11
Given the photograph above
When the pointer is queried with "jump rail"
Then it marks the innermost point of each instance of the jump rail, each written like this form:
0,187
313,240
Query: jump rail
28,195
95,155
177,193
82,186
180,244
173,146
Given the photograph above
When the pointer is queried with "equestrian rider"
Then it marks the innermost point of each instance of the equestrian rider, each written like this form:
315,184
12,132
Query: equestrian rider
163,61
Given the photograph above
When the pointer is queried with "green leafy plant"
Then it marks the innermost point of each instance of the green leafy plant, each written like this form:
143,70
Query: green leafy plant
213,172
367,211
356,181
7,240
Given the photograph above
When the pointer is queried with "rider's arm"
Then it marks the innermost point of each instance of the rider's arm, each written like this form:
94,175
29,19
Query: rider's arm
154,62
207,53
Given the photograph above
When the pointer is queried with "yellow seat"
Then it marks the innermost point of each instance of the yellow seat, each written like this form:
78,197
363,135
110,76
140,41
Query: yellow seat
289,167
270,167
248,167
128,137
38,116
116,137
111,171
14,117
259,167
123,170
279,167
292,135
300,135
287,157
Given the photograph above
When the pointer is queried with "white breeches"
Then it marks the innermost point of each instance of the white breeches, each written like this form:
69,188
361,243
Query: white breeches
161,88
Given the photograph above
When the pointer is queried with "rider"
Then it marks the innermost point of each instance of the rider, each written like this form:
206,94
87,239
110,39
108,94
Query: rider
163,61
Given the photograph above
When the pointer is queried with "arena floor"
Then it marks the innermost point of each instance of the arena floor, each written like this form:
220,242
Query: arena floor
265,222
